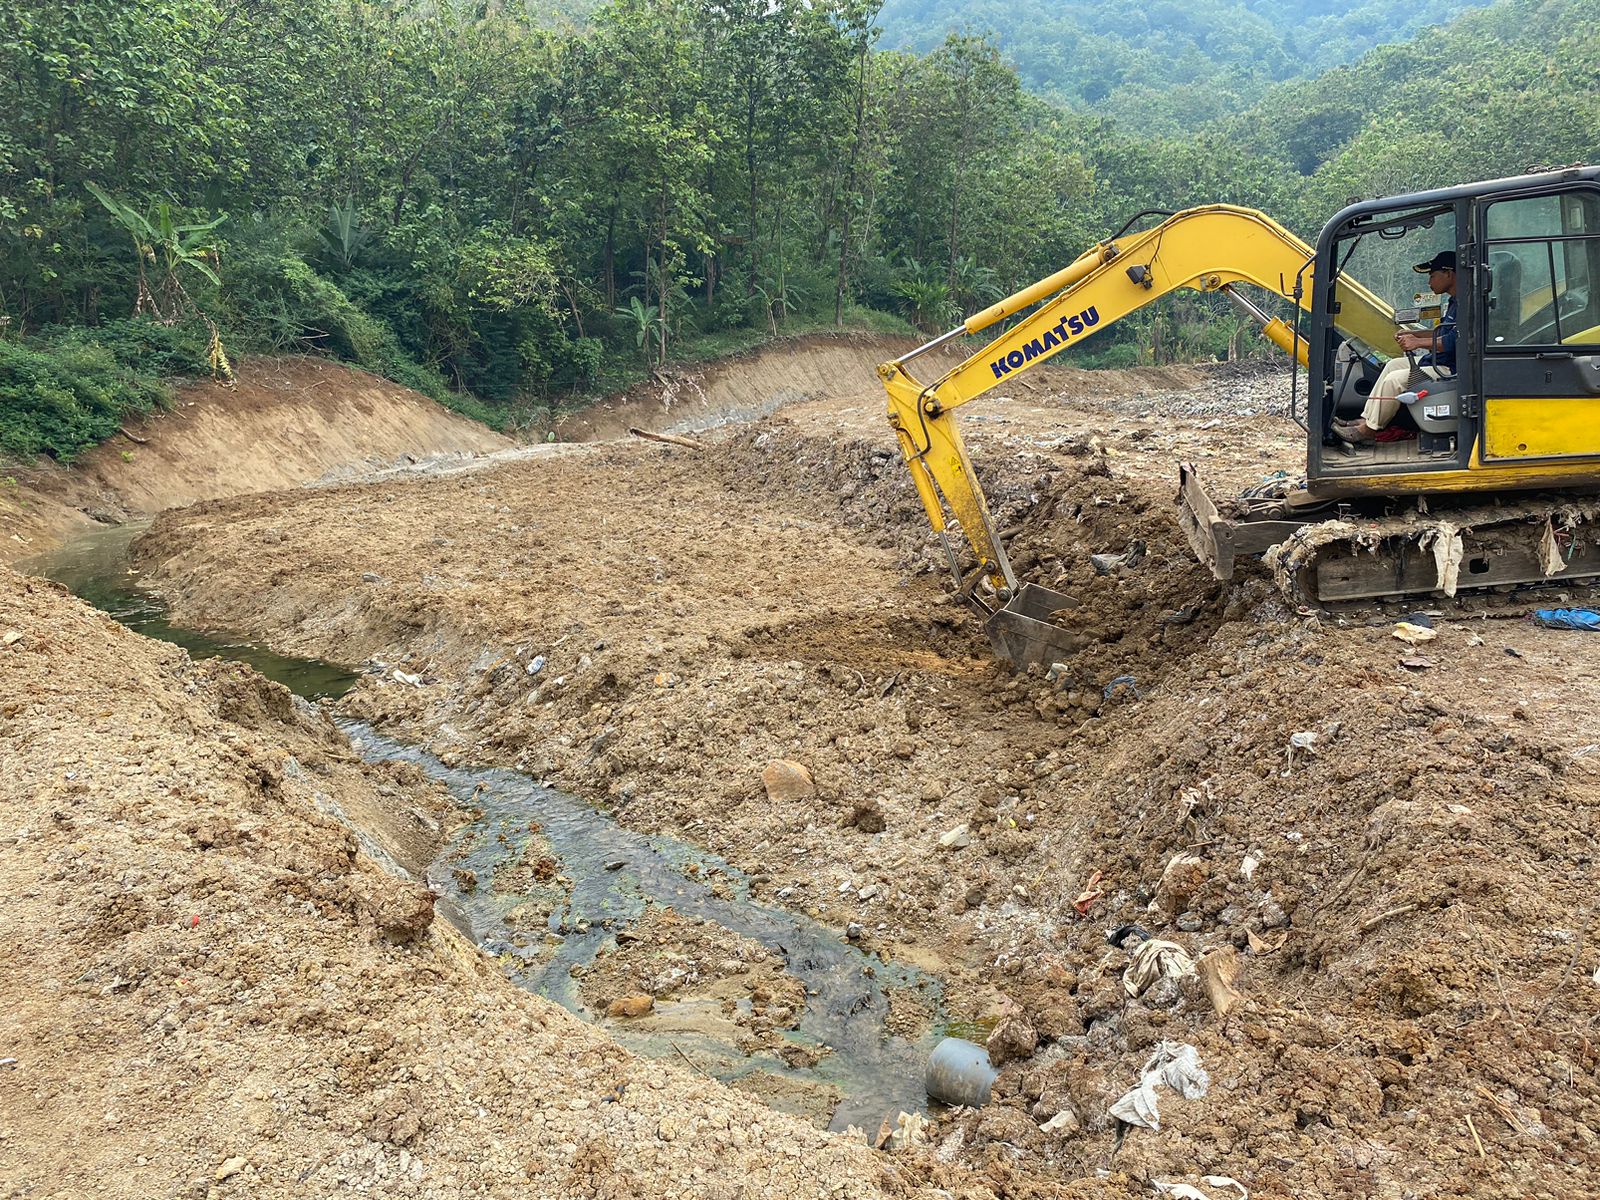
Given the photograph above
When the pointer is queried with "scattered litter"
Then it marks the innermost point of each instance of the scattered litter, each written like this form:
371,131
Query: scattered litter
1421,619
11,1062
1474,640
1414,634
1106,564
909,1129
1118,936
1248,867
1183,615
536,665
1092,891
1568,618
1513,652
1173,1064
1262,945
1417,662
401,677
1122,683
1065,1121
955,839
1155,959
1217,972
1187,1191
1305,740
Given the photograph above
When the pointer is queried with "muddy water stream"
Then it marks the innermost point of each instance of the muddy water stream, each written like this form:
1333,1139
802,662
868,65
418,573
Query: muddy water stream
611,874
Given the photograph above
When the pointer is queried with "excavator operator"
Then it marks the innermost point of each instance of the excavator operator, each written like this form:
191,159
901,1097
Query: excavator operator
1402,372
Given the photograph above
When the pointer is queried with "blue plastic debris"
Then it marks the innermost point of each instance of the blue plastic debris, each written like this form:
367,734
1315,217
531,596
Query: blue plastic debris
1122,682
1568,618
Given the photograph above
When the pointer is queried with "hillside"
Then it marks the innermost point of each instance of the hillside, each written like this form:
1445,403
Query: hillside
1165,66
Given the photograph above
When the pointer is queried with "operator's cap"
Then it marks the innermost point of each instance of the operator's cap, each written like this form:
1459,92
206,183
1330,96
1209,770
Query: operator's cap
1445,260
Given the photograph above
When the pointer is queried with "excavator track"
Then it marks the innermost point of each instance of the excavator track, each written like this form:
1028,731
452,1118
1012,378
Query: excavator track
1443,551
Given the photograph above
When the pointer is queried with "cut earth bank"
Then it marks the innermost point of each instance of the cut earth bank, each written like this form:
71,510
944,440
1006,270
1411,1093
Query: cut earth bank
1408,899
285,422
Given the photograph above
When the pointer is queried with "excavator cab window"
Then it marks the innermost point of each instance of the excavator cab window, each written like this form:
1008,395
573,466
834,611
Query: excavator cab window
1377,253
1543,254
1541,323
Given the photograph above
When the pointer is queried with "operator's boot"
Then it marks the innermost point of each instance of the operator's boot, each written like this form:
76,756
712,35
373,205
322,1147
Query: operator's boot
1356,433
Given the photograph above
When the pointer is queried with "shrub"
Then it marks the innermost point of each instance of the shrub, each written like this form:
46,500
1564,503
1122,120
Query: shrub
57,399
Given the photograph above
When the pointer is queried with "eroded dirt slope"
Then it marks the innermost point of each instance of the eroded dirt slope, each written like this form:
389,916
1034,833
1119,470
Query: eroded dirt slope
285,422
1407,894
211,991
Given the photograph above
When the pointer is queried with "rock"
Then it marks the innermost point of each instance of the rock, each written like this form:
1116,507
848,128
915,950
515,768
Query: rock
853,931
1190,922
955,839
631,1006
371,577
868,892
404,913
787,781
1012,1038
616,864
231,1167
11,638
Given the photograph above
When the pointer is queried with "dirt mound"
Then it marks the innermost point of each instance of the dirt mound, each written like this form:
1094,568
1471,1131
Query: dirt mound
286,422
210,991
1391,848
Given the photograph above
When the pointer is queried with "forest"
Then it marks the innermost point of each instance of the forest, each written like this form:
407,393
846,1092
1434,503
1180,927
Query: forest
510,216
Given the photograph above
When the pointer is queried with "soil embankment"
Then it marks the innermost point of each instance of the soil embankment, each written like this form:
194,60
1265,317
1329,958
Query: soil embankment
286,422
1389,847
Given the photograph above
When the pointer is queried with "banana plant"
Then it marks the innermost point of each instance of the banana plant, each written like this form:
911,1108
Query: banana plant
344,232
162,241
647,323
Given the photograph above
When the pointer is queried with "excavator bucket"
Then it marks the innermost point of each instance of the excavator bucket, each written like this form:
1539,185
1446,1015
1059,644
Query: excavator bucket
1022,632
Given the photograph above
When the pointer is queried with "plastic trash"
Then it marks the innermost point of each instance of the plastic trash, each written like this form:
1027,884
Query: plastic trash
1568,618
959,1072
1120,683
1174,1065
1153,960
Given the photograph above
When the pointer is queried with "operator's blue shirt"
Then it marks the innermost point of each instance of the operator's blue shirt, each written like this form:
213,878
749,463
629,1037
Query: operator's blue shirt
1444,337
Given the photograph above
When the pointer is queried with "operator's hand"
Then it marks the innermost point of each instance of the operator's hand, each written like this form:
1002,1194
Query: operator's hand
1411,339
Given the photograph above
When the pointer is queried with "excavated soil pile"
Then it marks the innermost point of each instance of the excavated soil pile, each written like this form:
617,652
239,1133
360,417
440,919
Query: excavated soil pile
1385,848
211,991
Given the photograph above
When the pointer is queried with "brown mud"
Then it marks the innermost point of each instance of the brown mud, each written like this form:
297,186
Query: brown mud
1396,855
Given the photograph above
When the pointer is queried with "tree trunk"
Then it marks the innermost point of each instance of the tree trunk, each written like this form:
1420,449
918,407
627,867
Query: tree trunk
611,257
843,280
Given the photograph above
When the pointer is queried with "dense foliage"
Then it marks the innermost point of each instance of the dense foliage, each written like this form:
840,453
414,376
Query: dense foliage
501,214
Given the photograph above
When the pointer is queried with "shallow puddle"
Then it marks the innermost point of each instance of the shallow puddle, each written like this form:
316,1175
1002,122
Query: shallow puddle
95,568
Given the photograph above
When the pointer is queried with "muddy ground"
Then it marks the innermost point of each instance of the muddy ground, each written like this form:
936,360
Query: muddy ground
1407,896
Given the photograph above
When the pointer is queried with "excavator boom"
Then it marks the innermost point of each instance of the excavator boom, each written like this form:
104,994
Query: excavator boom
1209,249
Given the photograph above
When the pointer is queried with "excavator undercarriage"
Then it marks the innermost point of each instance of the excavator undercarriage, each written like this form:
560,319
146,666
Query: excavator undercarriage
1435,545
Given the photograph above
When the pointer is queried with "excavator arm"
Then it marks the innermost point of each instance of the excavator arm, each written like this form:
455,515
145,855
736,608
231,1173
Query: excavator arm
1207,249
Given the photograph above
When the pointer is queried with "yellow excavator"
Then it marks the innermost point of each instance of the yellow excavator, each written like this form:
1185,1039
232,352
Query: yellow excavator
1486,477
